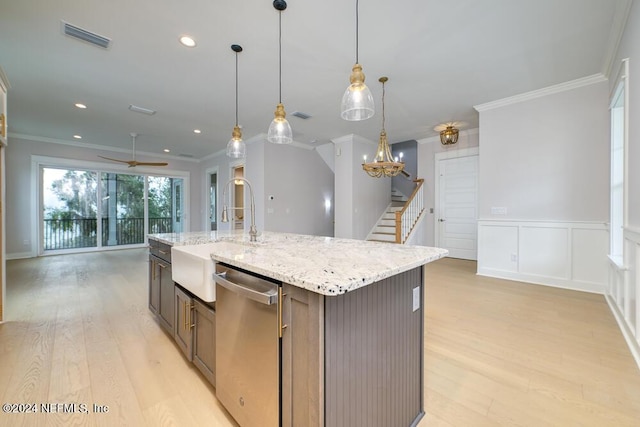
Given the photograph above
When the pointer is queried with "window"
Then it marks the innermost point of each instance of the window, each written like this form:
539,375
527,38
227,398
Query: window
619,110
93,209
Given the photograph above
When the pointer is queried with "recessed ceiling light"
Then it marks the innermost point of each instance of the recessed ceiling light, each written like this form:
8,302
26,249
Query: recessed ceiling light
197,131
81,106
77,136
188,41
166,150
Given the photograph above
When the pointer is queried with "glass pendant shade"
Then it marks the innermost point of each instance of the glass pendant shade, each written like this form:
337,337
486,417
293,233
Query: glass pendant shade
357,101
236,148
279,129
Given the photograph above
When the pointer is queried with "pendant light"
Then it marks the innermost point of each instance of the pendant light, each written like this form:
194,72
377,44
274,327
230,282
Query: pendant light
280,130
357,101
236,148
383,163
449,136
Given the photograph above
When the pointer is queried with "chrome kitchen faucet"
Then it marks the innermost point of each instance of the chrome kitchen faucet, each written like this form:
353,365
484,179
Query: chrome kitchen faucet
253,231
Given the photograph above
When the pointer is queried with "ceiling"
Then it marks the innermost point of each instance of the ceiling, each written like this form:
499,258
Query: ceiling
442,57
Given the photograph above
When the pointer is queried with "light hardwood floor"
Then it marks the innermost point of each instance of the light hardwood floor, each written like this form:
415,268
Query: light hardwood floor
496,353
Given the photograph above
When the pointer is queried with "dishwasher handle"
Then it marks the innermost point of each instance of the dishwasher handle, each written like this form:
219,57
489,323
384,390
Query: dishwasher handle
267,298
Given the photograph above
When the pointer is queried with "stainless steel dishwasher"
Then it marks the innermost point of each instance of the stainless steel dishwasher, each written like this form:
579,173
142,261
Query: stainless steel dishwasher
248,346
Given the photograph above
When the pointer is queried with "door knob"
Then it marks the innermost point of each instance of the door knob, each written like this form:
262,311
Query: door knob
442,220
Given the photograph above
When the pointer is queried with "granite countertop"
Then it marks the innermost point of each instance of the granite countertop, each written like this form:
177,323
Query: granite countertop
326,265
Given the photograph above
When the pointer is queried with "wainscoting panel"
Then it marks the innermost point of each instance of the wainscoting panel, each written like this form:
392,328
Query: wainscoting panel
563,254
624,290
590,265
544,251
498,248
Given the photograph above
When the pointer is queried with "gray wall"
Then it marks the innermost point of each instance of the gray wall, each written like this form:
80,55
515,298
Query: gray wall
409,149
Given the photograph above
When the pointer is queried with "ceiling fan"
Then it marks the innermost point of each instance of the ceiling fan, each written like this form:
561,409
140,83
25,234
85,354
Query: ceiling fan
133,162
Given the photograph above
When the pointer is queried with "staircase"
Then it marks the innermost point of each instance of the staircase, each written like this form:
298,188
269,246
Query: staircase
402,214
385,228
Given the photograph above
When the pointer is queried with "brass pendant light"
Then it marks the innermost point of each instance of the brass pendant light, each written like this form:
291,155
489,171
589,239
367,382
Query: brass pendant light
236,148
280,129
357,101
449,136
383,163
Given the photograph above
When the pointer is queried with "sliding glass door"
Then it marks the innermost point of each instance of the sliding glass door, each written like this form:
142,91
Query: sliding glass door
70,209
122,209
84,209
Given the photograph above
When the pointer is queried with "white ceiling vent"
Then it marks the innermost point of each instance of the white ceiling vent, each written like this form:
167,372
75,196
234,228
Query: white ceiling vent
142,110
301,115
84,35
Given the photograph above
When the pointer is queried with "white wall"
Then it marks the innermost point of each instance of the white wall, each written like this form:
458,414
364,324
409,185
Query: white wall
545,158
623,294
22,214
360,199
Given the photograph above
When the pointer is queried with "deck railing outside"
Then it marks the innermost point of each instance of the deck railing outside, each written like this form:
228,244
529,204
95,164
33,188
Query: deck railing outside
407,217
82,233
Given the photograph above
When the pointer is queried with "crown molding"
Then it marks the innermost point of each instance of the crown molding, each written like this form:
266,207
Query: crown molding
618,26
562,87
97,147
342,139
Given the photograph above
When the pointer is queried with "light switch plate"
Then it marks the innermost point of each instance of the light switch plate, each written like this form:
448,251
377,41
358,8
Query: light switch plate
416,299
500,210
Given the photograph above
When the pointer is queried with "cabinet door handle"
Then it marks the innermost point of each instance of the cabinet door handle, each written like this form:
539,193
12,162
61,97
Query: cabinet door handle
162,265
163,252
3,125
191,324
281,296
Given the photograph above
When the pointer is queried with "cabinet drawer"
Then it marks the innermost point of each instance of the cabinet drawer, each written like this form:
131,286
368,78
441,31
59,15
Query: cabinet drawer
161,250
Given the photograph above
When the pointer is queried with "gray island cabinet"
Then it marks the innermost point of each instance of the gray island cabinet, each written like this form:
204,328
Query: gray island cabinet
350,325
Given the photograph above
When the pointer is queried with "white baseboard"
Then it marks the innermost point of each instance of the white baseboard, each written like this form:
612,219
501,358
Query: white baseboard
20,255
574,285
633,345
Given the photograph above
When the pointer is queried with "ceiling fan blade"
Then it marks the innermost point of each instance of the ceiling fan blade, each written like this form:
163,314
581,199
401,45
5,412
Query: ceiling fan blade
134,163
115,160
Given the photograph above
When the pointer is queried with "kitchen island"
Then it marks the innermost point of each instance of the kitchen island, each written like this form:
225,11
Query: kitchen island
349,325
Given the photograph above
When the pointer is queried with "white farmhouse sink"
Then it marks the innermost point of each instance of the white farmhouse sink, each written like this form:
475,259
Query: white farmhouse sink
192,268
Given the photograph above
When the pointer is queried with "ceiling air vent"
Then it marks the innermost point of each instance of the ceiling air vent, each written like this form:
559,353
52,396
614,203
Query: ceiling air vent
142,110
189,156
301,115
84,35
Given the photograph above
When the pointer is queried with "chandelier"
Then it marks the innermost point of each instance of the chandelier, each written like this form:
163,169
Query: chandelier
383,163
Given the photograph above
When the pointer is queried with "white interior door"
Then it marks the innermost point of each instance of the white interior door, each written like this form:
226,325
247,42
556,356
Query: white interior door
457,220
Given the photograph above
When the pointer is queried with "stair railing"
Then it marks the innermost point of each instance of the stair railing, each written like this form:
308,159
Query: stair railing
407,217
